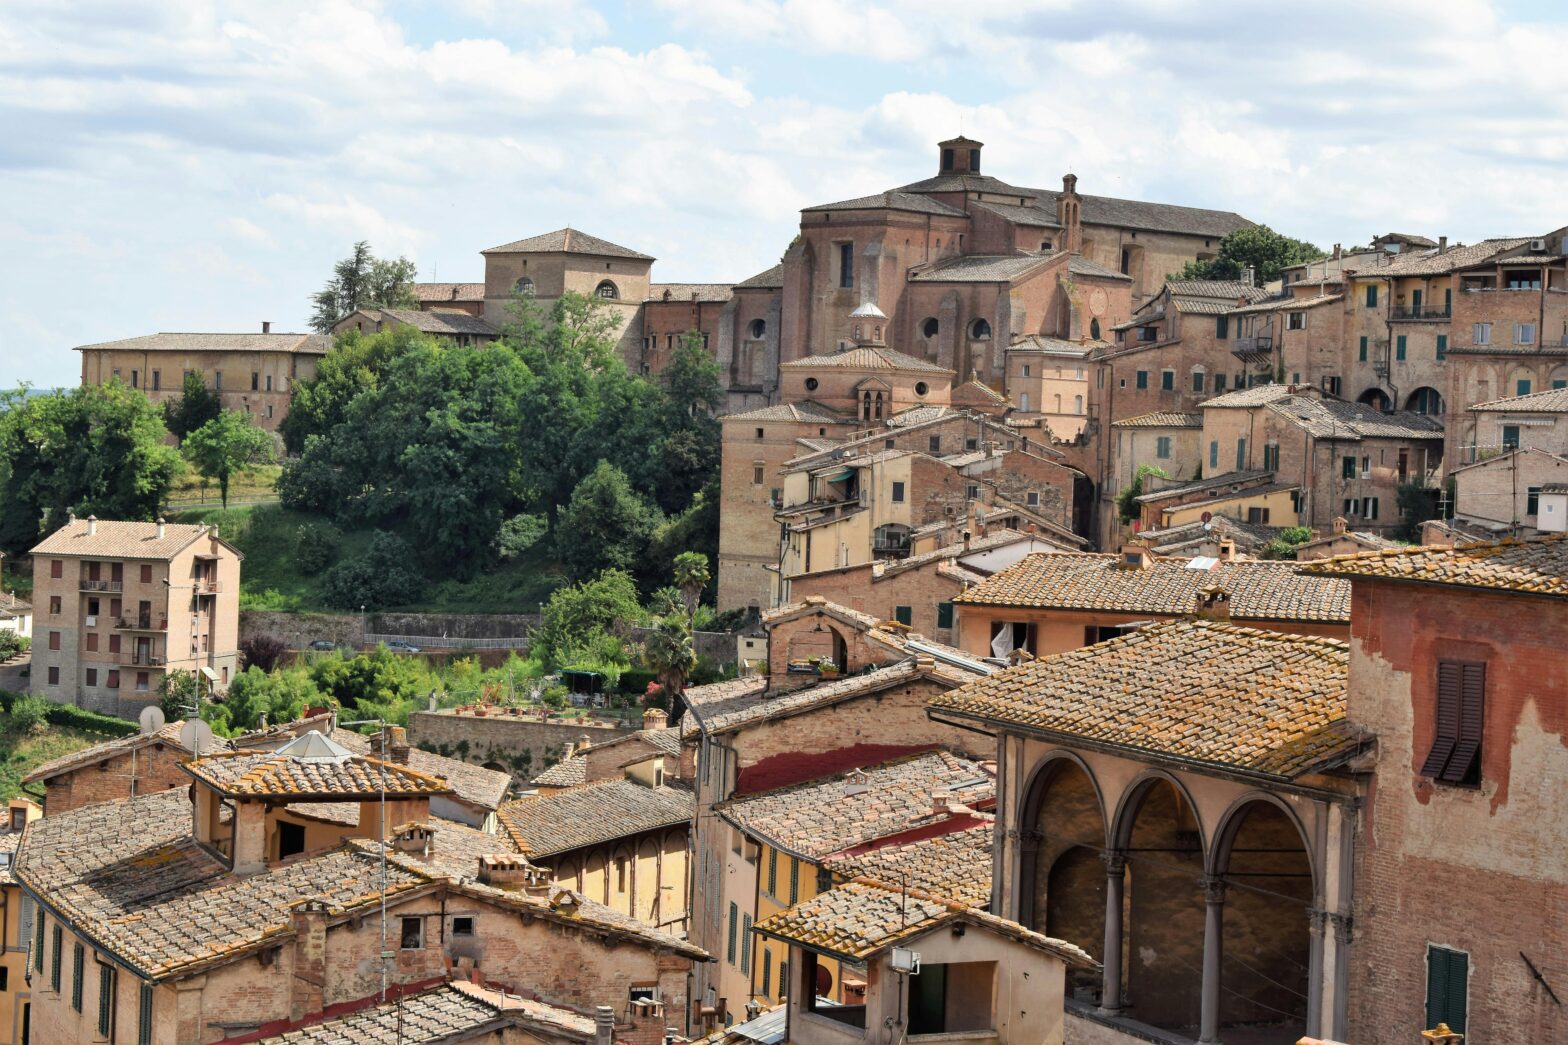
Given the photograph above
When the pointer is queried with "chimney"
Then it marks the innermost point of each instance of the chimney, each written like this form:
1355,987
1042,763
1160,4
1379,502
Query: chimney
161,527
1340,525
309,918
655,718
1339,252
583,744
940,800
1068,216
1227,550
1212,603
414,839
1442,244
1135,557
394,744
266,326
513,872
92,525
604,1025
1248,276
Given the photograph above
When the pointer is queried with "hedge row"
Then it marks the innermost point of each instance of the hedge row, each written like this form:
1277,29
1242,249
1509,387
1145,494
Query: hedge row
76,718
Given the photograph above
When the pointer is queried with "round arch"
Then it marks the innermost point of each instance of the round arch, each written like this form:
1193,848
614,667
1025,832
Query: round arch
1132,798
1040,778
1230,823
607,290
1374,397
1425,400
1062,881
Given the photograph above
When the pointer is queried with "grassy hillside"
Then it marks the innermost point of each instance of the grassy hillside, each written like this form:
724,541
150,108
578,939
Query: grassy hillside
256,483
270,579
20,754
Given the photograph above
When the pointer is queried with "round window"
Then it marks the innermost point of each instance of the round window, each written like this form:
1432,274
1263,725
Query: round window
811,384
921,388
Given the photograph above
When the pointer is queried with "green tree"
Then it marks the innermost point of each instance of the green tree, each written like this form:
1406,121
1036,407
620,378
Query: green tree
363,280
1284,544
97,449
1127,500
197,405
1267,251
224,445
382,577
178,692
669,652
577,616
280,696
691,577
605,526
519,533
354,366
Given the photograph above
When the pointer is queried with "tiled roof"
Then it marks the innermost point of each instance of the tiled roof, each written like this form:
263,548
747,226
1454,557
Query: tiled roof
567,241
1161,419
892,200
809,698
1535,566
1339,420
1431,263
806,410
1229,290
9,841
1147,319
816,819
979,388
115,539
452,1012
568,772
1176,540
1218,694
719,699
1547,401
436,293
438,322
1257,395
1049,345
1287,304
768,278
1079,265
715,293
143,893
979,268
866,358
303,344
90,756
919,415
1259,589
545,825
477,785
1225,482
1020,215
1202,306
262,774
957,865
862,919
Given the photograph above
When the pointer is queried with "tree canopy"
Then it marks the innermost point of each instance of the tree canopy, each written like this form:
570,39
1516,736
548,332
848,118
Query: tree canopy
95,450
1266,251
363,280
196,405
224,445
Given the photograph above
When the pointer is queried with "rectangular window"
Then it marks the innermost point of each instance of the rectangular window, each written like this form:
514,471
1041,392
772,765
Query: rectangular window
734,929
1351,504
413,934
1214,454
1371,295
105,1001
756,475
38,944
54,605
92,676
1032,499
1143,379
767,974
1296,321
1258,516
794,878
56,568
1524,333
973,492
1460,711
1222,327
144,1016
157,380
1399,347
136,379
1026,369
255,381
1369,507
1442,347
146,573
773,872
1522,387
1447,987
1347,468
944,614
1481,333
1168,380
1219,383
1162,447
905,615
1366,466
745,944
269,382
1363,353
846,264
1241,454
1270,457
217,380
898,493
113,681
463,926
54,640
54,675
1197,381
76,977
57,940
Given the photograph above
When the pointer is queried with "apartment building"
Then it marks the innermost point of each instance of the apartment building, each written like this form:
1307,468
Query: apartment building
121,603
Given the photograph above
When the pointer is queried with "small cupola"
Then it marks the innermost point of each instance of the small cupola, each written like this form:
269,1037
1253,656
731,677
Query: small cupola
959,155
868,322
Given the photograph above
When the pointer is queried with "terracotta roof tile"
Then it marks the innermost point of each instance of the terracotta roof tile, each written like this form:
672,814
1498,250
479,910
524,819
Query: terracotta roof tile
189,341
450,1012
89,756
567,241
803,410
439,292
713,293
891,200
115,539
1534,566
865,357
714,721
545,825
822,817
568,772
1203,692
476,785
1161,419
1259,589
956,865
1546,401
259,774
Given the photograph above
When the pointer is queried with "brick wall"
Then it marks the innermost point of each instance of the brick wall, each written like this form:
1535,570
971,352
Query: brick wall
522,745
152,768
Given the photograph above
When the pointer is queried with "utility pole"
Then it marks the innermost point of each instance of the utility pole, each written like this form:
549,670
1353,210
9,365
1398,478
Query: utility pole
381,776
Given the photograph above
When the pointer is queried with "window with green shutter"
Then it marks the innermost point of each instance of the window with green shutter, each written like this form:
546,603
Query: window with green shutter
1347,468
1214,453
1143,379
1522,386
1371,295
54,959
773,872
1442,347
1532,500
1447,988
105,1000
1241,454
1222,326
144,1016
1363,355
905,615
767,974
76,977
734,928
794,873
1399,347
38,944
745,944
944,614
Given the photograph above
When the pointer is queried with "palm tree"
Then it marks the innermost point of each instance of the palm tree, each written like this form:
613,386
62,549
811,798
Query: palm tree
691,577
669,652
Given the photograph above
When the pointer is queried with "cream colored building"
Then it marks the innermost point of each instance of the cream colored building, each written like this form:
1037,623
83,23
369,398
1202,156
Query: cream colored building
15,992
255,373
1048,379
119,604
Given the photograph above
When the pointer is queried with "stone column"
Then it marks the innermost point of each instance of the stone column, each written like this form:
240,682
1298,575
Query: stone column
1115,879
1341,1012
1317,923
1213,948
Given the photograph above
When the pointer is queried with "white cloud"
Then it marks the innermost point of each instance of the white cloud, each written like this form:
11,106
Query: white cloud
249,231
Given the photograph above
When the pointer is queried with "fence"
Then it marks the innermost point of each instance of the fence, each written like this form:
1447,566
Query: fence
448,641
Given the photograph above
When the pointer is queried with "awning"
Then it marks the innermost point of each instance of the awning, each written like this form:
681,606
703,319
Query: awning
838,477
212,676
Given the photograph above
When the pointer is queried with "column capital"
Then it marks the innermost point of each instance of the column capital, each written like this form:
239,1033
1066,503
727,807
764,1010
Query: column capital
1317,920
1115,862
1213,888
1342,926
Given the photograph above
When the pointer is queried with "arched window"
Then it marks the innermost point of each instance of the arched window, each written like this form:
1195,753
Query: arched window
1077,404
607,290
524,287
980,330
879,406
865,406
1094,329
1023,402
930,327
758,328
1425,401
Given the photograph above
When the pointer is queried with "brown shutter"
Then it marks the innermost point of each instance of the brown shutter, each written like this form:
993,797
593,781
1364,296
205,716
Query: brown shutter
1472,717
1448,689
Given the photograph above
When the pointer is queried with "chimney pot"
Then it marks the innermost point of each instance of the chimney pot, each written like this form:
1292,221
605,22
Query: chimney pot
583,743
603,1025
1442,244
655,718
92,525
162,527
1340,525
940,800
266,326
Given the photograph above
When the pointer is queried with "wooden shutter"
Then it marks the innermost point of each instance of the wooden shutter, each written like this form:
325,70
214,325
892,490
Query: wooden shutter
1447,738
1472,717
734,928
1447,987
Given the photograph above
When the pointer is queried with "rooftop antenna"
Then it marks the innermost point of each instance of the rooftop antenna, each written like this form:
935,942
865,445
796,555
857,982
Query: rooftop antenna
381,776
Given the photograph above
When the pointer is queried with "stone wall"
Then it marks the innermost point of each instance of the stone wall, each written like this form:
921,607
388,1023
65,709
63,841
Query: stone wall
523,745
298,630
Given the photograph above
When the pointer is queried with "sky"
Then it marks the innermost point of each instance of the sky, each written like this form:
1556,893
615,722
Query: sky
200,165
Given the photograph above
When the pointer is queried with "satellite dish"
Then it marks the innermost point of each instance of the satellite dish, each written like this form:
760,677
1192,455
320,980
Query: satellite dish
151,718
196,735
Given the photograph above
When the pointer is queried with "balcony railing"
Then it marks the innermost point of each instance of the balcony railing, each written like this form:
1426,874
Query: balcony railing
208,587
1251,346
142,659
88,585
1423,312
142,623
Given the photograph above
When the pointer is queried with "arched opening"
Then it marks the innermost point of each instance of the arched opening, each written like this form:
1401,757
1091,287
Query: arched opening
1062,885
524,287
821,643
1266,931
930,327
1425,401
757,329
1163,923
980,330
1023,401
607,290
1094,329
495,767
1374,397
1058,401
645,887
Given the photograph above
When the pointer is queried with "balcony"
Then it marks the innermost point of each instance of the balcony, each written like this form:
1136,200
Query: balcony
1252,349
1421,313
141,659
113,586
142,623
208,587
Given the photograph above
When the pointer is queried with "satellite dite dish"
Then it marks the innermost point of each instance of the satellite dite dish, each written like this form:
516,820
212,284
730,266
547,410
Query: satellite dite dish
151,719
196,735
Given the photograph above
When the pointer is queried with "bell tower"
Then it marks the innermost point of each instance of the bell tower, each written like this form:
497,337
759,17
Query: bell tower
959,156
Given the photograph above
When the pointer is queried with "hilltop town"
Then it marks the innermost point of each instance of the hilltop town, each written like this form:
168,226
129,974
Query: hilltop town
1018,616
